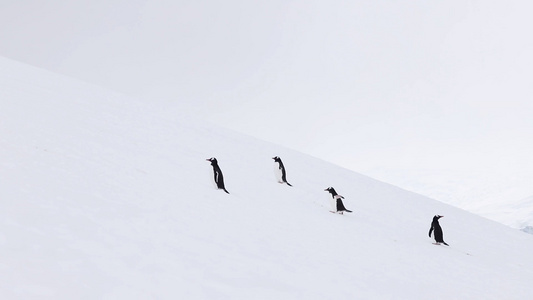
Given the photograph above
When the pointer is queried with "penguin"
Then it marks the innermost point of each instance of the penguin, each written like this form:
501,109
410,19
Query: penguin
281,174
219,179
437,230
338,202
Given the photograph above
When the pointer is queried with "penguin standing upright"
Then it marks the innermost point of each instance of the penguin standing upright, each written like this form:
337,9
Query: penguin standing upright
437,230
281,174
338,202
219,179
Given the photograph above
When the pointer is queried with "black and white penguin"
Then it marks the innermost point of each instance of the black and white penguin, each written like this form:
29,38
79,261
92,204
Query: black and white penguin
437,231
279,170
218,178
338,202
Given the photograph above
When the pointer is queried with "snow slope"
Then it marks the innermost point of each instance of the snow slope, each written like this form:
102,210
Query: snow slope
449,118
518,214
104,197
503,198
524,212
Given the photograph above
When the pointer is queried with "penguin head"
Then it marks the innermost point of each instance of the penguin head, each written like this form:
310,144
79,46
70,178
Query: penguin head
331,190
212,160
276,158
437,217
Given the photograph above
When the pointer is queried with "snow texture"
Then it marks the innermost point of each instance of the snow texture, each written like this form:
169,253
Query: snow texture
103,197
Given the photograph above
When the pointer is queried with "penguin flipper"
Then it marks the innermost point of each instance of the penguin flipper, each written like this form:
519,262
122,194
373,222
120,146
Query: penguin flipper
225,190
348,211
288,183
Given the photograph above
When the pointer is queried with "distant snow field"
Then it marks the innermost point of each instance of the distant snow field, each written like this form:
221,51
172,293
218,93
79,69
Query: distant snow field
502,198
104,197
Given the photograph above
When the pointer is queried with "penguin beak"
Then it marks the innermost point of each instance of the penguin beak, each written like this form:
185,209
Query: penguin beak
209,159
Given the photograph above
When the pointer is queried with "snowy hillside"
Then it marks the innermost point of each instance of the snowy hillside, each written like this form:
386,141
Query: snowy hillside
104,197
518,214
502,198
523,212
525,217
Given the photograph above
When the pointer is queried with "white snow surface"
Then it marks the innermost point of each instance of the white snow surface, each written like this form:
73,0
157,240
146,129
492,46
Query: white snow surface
104,197
502,199
518,214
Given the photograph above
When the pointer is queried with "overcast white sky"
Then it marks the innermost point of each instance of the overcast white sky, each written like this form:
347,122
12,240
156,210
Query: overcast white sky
416,93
